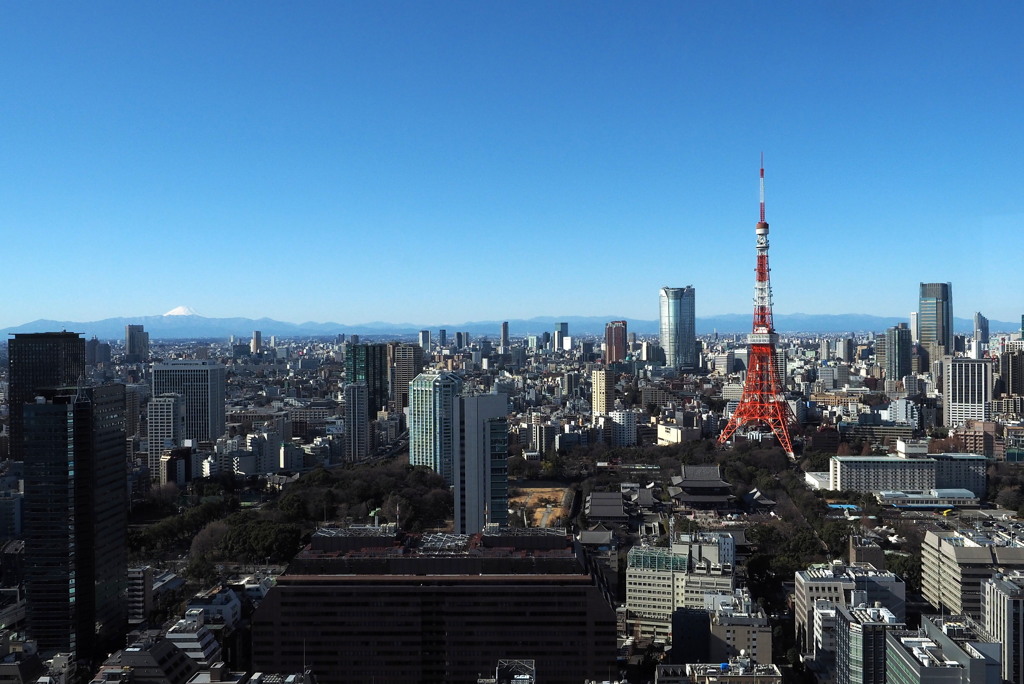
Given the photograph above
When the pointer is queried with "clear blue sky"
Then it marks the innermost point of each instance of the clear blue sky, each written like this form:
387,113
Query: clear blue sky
442,161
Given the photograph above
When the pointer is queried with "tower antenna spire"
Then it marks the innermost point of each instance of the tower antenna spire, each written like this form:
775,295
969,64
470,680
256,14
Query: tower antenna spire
762,188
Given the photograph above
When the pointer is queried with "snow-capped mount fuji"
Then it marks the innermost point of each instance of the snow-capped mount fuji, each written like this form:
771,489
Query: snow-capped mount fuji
182,311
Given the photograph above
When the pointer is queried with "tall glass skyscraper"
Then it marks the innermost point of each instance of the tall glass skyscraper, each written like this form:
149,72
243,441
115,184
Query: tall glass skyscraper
433,421
678,326
898,350
369,363
935,318
76,520
37,361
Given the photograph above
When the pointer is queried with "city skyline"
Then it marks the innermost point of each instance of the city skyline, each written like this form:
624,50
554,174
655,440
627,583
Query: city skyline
259,151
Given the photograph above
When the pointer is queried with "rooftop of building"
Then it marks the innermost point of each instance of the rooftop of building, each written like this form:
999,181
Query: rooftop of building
882,459
968,538
736,667
951,493
497,550
1011,583
925,651
837,570
874,615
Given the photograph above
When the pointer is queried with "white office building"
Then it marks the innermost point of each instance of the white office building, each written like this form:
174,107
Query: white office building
202,385
967,390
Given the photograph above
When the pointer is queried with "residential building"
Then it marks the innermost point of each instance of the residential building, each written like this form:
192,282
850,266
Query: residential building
678,327
615,342
408,363
623,428
357,422
202,385
602,392
434,420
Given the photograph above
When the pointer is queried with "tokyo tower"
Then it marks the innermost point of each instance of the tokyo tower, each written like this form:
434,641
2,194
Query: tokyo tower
762,402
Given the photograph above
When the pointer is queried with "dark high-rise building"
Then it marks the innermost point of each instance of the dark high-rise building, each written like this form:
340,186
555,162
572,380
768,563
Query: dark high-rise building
558,339
408,363
103,353
898,350
503,342
1011,372
444,610
75,519
442,337
369,363
980,328
615,342
935,319
37,361
136,344
91,348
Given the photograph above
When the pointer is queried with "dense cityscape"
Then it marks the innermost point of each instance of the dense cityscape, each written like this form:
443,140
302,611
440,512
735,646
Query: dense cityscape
558,507
481,363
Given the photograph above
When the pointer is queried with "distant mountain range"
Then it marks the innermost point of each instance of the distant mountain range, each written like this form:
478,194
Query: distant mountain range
180,325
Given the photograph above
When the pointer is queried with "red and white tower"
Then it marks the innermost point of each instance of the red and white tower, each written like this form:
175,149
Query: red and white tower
762,402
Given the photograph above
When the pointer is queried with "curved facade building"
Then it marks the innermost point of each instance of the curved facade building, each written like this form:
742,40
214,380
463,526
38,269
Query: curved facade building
678,327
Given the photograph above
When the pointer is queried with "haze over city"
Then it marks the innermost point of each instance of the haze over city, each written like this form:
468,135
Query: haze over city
457,161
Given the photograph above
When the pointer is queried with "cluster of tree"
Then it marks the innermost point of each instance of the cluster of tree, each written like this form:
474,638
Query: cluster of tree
908,567
416,497
176,531
255,538
1006,486
252,536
